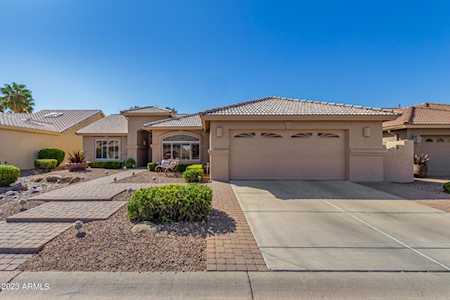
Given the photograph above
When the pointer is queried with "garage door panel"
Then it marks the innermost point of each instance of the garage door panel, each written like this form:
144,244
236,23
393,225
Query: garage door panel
309,157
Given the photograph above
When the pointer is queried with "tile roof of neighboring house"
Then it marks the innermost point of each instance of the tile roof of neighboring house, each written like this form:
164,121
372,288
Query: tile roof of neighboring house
48,120
423,114
279,106
180,121
147,110
112,124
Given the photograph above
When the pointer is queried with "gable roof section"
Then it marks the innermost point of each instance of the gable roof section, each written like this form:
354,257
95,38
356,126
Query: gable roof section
279,106
54,121
188,121
147,110
110,125
428,114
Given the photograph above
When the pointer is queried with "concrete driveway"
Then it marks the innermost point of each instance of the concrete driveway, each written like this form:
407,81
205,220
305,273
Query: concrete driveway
339,225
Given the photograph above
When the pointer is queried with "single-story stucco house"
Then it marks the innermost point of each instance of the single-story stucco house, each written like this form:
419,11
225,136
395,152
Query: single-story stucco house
22,135
267,138
428,125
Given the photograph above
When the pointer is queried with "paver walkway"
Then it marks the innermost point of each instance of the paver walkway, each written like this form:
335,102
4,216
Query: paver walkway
233,249
26,238
69,211
28,231
100,189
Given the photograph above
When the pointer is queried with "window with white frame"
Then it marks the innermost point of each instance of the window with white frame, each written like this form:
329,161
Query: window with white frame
180,146
107,149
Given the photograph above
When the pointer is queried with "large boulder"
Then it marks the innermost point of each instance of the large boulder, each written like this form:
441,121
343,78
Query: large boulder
53,178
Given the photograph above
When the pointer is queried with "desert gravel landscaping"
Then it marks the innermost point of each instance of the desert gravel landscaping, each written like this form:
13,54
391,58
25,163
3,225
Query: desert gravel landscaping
111,245
153,177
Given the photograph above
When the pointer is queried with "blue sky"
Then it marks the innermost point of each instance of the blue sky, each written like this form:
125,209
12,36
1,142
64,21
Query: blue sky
195,55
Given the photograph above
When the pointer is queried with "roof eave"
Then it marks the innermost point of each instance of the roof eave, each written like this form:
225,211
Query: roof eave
30,130
101,134
173,128
417,126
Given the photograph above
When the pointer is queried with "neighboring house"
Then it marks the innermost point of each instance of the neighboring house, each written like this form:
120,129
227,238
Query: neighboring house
22,135
428,125
268,138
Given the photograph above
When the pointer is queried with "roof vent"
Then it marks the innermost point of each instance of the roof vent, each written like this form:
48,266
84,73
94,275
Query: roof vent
53,115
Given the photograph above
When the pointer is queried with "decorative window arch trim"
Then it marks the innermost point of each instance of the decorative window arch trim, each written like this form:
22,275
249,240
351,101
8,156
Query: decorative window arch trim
245,135
302,135
429,140
328,135
270,135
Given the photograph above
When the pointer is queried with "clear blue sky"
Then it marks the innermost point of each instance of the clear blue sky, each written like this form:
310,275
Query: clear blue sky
194,55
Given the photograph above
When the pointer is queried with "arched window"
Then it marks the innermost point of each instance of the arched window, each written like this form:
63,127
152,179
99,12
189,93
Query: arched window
429,140
440,140
181,146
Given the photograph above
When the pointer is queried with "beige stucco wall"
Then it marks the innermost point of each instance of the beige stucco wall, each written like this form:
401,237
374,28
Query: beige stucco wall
135,142
89,146
158,135
439,164
21,147
364,158
398,161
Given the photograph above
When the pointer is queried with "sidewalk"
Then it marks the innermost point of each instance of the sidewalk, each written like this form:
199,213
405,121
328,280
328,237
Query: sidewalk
228,285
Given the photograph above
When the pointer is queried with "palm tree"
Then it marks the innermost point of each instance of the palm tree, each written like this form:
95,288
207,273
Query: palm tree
17,98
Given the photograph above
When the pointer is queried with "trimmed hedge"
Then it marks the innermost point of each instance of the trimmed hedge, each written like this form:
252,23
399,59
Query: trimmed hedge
171,203
181,168
130,163
151,166
193,175
46,164
446,187
8,174
52,153
110,164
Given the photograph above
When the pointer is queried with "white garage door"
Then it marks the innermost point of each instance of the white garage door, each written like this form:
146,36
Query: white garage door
310,155
438,147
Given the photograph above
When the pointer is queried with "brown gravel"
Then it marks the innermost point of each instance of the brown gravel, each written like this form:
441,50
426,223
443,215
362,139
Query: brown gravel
148,177
12,207
111,246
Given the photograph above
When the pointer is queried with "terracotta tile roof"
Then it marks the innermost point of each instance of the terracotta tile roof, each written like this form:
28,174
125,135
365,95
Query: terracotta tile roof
147,110
423,114
279,106
112,124
180,121
47,120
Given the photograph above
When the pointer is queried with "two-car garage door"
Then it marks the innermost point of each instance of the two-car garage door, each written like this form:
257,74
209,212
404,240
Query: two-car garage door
286,154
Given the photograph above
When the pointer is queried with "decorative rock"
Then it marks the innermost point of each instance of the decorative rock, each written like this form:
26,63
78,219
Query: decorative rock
18,187
78,225
10,193
36,189
115,179
22,203
53,178
144,227
106,172
65,179
38,179
75,180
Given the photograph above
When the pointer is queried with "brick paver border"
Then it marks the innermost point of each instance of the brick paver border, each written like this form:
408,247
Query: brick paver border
235,248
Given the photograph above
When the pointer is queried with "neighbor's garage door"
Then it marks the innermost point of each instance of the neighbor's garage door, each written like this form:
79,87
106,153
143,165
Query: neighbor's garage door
314,155
438,147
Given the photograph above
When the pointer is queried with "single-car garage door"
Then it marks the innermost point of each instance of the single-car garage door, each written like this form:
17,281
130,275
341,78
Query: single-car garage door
286,154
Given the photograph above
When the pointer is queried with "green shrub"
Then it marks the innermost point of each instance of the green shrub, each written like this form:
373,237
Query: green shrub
151,166
52,153
195,167
171,203
193,175
447,187
130,163
46,164
110,164
181,168
8,174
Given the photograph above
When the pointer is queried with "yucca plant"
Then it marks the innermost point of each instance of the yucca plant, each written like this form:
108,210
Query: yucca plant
76,157
420,164
77,161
